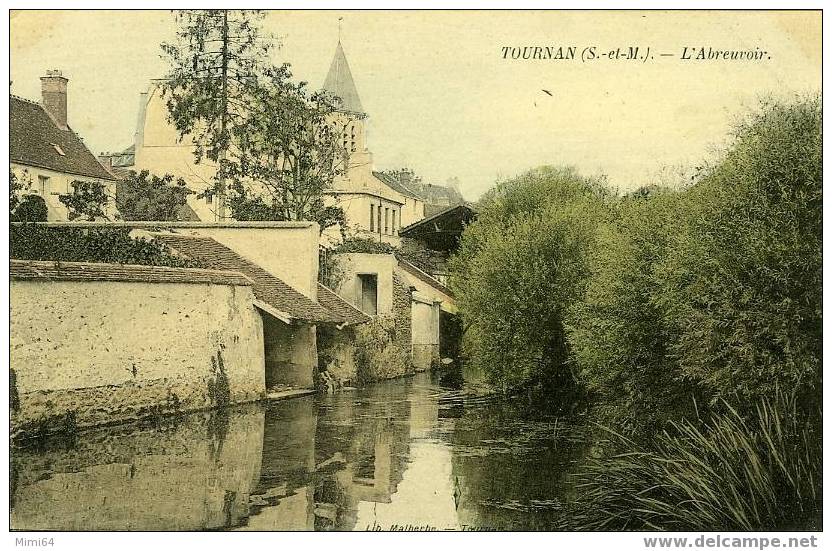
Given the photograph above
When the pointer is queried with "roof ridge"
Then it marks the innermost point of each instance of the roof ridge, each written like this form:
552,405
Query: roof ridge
27,100
386,180
343,302
424,276
268,287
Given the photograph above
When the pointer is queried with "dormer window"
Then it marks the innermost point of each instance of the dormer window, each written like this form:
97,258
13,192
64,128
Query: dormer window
58,149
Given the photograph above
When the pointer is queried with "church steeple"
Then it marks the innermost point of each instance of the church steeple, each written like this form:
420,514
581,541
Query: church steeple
339,82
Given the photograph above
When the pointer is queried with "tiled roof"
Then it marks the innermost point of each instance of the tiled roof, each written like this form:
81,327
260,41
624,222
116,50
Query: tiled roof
35,140
267,288
413,270
456,215
349,313
339,83
395,185
436,194
52,270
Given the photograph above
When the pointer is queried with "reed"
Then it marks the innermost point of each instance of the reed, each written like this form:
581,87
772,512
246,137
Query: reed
735,472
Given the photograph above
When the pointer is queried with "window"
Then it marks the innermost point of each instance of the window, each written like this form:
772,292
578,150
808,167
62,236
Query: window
372,218
209,198
369,293
378,218
386,220
393,225
43,185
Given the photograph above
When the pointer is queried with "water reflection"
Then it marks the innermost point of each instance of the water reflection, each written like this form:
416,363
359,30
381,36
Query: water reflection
417,452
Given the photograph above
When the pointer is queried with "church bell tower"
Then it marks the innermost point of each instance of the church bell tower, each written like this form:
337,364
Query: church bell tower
350,120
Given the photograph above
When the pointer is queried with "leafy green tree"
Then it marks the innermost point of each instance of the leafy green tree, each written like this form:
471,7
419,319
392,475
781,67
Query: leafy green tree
145,196
618,334
276,148
741,281
521,265
293,153
215,62
24,207
17,185
87,200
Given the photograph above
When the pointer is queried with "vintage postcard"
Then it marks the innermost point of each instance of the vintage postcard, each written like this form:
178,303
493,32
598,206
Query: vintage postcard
423,270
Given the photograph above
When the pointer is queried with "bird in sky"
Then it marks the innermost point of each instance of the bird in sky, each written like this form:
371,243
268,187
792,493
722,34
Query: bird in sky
547,92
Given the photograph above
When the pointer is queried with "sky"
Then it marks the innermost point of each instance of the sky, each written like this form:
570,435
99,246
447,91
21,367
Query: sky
442,98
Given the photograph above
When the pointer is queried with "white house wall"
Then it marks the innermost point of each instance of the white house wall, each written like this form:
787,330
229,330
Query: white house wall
59,183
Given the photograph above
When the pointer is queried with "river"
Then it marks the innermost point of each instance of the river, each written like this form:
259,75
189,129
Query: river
428,451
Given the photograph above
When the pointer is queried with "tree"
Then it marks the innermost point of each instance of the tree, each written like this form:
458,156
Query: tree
215,63
25,207
145,196
17,185
618,335
741,280
521,265
87,200
292,154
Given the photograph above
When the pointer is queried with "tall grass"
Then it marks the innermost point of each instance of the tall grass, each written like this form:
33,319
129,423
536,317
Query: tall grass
731,473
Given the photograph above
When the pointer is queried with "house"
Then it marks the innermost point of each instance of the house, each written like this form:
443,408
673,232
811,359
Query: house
426,199
158,149
46,153
440,234
386,287
413,208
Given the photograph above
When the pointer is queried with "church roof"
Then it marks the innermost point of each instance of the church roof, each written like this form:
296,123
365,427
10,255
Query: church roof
339,83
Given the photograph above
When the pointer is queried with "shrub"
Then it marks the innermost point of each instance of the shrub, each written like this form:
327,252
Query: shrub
364,245
378,355
740,283
730,474
111,245
24,207
31,208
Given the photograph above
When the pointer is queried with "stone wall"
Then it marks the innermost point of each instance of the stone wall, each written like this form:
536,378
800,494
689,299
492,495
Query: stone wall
402,298
100,343
336,354
372,351
291,353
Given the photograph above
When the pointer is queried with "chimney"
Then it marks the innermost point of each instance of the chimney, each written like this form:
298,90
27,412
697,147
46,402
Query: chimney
106,159
53,92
